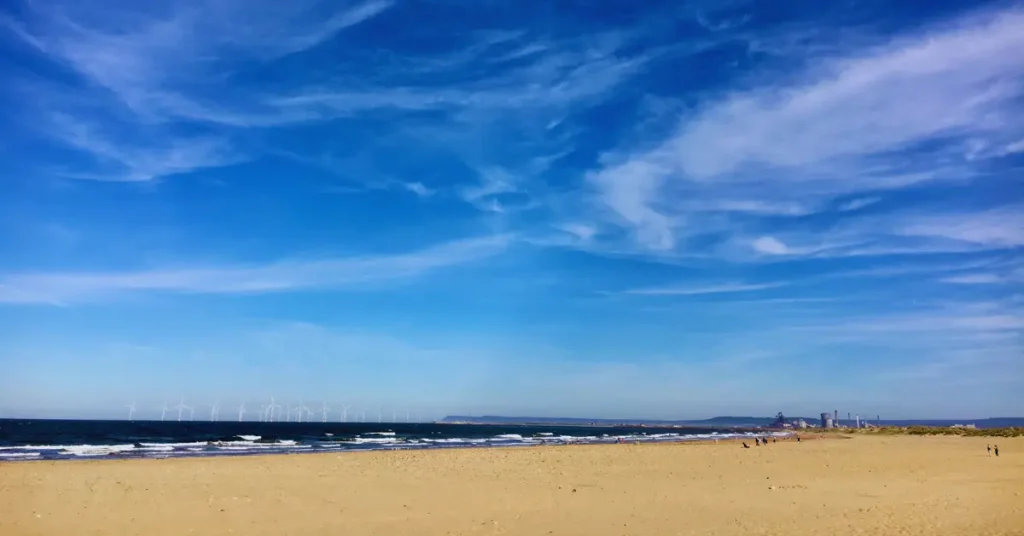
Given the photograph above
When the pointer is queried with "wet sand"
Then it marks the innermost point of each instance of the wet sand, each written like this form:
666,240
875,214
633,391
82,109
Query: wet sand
863,485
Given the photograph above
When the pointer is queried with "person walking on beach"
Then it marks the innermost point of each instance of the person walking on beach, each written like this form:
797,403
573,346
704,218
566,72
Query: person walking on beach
996,448
989,449
757,441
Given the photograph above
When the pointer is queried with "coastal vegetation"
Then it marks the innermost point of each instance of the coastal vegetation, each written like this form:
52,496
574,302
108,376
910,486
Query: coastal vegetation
1012,431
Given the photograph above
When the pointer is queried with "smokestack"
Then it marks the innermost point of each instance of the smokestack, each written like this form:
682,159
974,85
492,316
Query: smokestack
836,418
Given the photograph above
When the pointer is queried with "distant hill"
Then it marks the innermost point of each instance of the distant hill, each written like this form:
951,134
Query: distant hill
718,422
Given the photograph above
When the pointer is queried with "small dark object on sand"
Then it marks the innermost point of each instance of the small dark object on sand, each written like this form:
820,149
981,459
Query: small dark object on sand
745,445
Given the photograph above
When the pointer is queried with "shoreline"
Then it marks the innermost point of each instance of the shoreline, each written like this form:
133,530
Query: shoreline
198,451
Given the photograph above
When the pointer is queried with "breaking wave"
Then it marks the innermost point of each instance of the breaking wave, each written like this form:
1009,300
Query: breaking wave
212,439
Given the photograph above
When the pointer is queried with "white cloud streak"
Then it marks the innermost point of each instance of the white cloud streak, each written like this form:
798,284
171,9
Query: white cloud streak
166,67
902,93
801,140
859,203
998,228
287,275
770,246
130,161
729,288
974,279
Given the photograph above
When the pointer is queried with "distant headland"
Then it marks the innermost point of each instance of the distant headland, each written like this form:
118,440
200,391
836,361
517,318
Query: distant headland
718,422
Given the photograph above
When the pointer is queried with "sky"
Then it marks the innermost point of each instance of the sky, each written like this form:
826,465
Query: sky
598,209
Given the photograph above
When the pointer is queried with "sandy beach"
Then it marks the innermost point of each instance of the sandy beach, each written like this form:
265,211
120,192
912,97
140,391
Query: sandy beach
864,485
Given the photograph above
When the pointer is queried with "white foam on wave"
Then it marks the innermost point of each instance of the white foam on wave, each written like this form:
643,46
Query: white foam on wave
364,440
229,443
255,447
40,447
155,448
176,445
445,440
97,450
329,445
385,440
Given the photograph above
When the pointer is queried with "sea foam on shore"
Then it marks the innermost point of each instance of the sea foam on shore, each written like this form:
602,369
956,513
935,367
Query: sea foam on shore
247,444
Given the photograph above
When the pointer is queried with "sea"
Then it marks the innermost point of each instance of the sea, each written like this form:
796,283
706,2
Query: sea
26,440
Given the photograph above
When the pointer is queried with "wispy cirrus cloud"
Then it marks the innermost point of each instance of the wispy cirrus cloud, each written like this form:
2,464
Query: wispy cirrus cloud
150,67
858,203
177,79
973,279
894,115
902,233
130,160
726,288
146,70
280,276
1001,227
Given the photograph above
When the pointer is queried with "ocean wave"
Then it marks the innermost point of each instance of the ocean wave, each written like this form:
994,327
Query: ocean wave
17,455
361,440
318,440
97,450
176,445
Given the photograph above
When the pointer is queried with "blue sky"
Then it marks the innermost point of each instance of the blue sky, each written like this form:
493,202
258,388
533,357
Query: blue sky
608,209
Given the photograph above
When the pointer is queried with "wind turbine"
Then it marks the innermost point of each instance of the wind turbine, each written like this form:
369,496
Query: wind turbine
241,412
271,408
215,411
394,416
303,408
344,413
181,406
323,412
131,410
163,411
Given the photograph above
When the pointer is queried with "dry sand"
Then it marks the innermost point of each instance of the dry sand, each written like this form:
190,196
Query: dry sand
864,485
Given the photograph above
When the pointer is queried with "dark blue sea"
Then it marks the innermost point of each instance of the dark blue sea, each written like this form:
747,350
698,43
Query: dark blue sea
79,439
